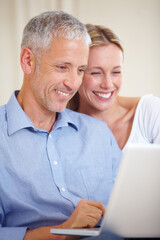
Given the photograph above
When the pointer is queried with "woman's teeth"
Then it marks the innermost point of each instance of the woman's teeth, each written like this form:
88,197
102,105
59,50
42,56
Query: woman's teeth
103,95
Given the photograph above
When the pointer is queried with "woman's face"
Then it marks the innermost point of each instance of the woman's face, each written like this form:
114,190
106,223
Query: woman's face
102,78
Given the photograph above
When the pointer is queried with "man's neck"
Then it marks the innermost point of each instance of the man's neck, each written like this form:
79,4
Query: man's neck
39,116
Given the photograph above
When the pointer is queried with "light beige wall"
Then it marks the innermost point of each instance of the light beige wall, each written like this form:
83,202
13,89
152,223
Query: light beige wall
135,21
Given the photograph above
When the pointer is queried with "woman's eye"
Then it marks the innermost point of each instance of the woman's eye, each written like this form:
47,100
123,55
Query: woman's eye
117,72
95,73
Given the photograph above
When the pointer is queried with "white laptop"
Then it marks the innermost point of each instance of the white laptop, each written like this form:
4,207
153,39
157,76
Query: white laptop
134,206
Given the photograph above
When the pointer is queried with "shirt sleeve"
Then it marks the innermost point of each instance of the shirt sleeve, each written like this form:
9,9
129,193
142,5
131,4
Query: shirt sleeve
14,233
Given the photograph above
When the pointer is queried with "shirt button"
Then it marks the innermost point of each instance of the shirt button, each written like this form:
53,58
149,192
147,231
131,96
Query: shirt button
50,136
55,162
63,189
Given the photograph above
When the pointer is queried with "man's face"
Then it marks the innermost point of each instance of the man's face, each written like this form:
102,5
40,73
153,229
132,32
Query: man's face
59,74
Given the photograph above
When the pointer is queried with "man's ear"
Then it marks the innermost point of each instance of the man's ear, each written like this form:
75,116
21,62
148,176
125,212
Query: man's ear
27,60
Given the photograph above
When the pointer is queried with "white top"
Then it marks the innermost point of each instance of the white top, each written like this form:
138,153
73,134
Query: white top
146,124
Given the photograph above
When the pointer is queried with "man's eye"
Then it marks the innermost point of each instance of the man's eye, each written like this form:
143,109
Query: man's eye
81,70
61,67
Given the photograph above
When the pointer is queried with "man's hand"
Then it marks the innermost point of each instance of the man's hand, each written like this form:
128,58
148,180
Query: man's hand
86,214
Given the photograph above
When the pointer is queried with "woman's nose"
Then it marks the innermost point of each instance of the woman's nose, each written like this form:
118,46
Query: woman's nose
107,81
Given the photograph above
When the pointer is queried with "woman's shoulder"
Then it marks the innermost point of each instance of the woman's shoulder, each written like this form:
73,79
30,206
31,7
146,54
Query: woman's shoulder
144,102
150,98
149,103
128,102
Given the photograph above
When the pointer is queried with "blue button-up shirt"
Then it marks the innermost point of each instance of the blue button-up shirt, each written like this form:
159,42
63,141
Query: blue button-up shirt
44,175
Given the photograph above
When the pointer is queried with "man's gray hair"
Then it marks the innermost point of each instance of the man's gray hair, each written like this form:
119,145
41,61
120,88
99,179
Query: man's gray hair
40,30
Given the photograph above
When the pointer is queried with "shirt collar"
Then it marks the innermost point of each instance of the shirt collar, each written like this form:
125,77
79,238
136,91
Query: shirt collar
65,119
18,119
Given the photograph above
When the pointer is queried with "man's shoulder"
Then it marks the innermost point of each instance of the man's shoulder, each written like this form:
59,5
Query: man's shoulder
82,116
84,120
3,120
2,113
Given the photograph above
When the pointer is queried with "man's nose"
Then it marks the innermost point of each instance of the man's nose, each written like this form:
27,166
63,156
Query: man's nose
73,80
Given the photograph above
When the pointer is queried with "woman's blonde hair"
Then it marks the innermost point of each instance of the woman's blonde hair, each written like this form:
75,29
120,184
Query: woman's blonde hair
100,36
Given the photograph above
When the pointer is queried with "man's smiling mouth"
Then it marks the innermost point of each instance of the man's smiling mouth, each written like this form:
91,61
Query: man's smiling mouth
62,93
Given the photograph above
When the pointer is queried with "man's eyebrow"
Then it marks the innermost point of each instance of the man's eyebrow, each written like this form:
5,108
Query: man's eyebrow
83,66
68,63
